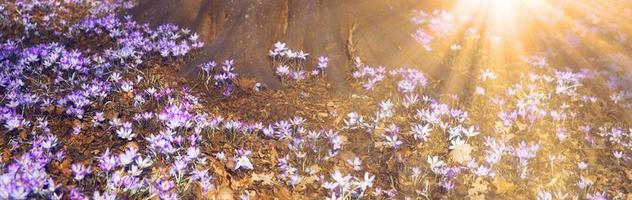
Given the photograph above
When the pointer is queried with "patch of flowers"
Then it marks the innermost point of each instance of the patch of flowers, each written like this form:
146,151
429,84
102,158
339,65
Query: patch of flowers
434,26
223,77
83,117
409,80
290,64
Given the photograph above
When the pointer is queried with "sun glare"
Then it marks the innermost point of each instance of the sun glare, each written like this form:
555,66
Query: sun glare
495,12
500,5
495,5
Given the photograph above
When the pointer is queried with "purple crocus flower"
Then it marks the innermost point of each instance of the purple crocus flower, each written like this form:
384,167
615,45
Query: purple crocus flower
80,170
107,162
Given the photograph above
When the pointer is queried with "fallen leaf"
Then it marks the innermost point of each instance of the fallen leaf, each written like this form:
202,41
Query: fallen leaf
224,193
479,187
461,154
314,169
302,185
502,185
266,178
6,155
282,193
246,83
231,164
241,183
23,134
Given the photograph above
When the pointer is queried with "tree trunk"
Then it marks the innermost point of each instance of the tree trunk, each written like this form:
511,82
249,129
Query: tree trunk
377,31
